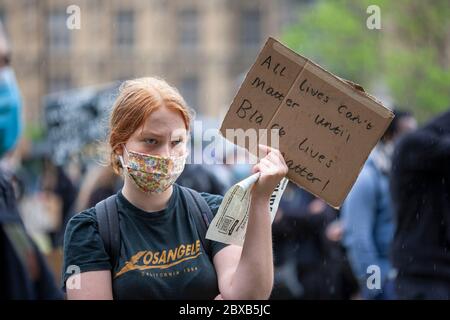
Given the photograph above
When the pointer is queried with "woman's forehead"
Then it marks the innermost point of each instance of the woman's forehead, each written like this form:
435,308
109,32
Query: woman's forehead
163,122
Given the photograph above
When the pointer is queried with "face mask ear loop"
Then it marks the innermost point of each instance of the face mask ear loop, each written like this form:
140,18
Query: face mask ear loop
122,162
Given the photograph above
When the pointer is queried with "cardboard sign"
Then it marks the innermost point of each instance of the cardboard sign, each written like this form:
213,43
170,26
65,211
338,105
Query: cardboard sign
327,125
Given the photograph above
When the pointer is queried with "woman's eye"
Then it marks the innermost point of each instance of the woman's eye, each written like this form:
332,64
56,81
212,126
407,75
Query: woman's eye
175,142
151,141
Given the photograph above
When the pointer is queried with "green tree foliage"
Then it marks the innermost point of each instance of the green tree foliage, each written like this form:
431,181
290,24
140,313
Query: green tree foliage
410,54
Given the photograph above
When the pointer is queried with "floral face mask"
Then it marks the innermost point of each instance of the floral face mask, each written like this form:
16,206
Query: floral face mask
153,174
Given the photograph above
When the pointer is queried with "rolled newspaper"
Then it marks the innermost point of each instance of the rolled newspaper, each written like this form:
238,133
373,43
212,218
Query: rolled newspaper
230,223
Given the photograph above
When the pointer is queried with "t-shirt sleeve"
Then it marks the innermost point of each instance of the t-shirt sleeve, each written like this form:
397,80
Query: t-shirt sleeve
214,202
83,247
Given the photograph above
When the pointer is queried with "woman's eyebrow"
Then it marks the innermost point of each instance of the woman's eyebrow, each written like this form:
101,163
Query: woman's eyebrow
153,134
173,134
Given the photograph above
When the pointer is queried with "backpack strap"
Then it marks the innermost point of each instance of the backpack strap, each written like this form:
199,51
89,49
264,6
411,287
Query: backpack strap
201,213
108,227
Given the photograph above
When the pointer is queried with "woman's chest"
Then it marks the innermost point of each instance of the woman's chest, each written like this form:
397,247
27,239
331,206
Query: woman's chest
163,262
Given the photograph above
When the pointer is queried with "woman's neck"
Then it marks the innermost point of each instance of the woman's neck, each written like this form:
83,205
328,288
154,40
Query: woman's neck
147,202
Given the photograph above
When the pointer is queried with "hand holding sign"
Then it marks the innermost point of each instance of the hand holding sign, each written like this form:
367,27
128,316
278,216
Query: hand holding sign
272,169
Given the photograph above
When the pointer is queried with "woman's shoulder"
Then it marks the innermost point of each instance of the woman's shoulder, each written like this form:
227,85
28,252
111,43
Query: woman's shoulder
213,200
88,214
84,218
83,246
82,232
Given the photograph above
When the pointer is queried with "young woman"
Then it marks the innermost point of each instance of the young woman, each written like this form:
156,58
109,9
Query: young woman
161,255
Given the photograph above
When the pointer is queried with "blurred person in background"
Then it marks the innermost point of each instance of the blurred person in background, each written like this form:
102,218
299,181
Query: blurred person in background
420,184
98,183
240,168
202,179
367,213
214,177
47,202
309,264
23,271
56,184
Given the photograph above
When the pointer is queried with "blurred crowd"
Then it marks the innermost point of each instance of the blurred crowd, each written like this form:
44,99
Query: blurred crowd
389,240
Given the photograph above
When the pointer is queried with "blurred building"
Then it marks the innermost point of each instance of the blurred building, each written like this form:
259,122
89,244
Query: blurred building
200,46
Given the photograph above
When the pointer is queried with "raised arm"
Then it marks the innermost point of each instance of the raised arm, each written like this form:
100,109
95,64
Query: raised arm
247,272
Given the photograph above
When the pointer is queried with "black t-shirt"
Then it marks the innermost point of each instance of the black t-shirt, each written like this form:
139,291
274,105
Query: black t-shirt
161,256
